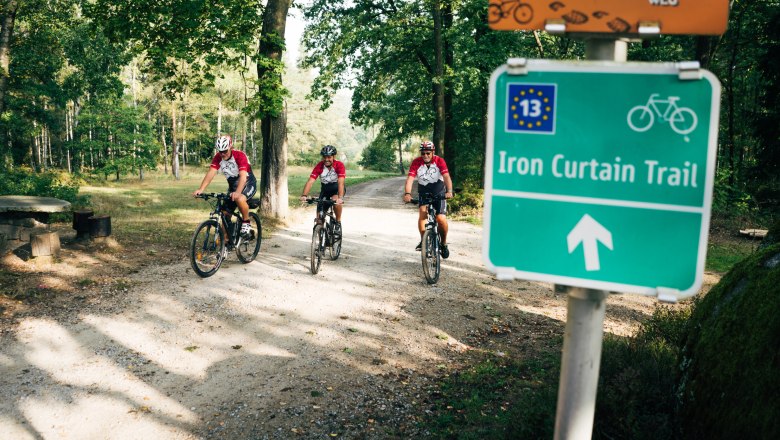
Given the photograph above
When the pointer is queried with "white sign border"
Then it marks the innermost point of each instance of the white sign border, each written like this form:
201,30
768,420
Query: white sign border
602,67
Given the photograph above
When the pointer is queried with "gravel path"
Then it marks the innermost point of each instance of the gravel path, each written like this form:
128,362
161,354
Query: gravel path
267,350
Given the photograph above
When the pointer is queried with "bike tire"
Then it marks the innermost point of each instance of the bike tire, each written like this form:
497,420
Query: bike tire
335,247
494,14
247,249
679,116
317,248
207,249
524,13
645,121
430,256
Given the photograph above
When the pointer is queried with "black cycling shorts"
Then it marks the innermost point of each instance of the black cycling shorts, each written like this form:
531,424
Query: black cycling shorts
249,191
441,205
330,189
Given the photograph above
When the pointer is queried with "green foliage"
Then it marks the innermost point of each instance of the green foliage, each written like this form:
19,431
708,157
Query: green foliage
468,202
730,382
636,397
379,155
24,182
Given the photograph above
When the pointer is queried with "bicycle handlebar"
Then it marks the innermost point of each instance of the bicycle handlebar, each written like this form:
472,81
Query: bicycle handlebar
206,196
312,200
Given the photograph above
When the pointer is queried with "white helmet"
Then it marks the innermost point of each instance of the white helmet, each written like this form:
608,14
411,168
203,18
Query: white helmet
223,143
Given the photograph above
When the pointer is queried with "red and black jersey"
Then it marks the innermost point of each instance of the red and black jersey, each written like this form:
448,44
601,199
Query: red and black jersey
329,175
430,176
230,167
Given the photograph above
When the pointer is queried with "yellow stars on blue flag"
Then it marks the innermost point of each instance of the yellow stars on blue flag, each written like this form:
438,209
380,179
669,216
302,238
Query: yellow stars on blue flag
531,108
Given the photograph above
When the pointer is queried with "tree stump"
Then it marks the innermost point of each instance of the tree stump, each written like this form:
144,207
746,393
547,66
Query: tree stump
45,244
81,223
99,226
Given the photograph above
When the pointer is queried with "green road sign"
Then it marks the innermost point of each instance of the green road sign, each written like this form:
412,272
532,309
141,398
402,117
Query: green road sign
600,174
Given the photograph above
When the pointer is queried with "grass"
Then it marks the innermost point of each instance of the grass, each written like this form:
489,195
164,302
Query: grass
722,255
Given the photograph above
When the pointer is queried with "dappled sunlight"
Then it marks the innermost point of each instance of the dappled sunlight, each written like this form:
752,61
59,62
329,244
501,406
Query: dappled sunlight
82,376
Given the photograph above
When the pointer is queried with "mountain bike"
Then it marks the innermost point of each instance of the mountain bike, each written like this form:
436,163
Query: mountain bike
218,235
326,233
431,240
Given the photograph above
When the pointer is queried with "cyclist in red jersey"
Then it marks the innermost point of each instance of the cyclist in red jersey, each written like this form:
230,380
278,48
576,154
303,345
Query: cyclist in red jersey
433,178
242,183
331,173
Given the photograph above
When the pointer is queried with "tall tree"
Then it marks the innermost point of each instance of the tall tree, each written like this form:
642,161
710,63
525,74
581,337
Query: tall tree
272,110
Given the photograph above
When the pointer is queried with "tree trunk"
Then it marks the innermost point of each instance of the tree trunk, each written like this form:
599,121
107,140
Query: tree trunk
7,20
164,145
273,177
439,123
449,152
401,158
174,145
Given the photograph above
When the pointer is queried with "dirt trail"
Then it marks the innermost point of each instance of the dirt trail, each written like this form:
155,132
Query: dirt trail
267,350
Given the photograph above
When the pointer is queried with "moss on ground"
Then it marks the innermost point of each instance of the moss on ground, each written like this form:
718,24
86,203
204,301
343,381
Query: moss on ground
731,361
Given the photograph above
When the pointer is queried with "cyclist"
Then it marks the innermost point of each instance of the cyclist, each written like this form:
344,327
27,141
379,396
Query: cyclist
332,174
433,178
242,183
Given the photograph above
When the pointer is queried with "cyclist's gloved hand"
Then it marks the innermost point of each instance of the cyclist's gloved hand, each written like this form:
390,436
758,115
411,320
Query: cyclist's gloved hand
448,195
339,201
197,193
407,198
304,198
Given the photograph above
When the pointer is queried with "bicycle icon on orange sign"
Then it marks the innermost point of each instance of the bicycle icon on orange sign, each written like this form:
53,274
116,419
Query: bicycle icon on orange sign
682,119
522,12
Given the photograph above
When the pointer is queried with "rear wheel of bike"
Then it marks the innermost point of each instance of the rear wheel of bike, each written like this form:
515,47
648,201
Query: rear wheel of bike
335,246
249,247
430,256
207,249
317,248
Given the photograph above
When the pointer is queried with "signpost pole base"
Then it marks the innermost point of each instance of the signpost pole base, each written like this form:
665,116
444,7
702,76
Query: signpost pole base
580,363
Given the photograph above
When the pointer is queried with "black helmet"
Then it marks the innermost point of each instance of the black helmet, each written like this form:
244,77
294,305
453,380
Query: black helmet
328,150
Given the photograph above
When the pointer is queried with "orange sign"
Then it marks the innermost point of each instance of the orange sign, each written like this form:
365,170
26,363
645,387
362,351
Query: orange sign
694,17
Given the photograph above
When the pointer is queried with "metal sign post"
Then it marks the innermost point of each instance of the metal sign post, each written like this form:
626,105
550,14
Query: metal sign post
583,338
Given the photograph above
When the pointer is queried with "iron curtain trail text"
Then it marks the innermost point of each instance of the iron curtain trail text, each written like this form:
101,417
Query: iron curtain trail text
653,172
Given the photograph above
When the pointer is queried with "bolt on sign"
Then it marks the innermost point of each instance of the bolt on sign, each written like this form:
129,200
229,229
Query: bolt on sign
600,174
699,17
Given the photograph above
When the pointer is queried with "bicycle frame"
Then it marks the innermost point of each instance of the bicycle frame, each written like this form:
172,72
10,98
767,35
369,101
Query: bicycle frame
224,218
671,106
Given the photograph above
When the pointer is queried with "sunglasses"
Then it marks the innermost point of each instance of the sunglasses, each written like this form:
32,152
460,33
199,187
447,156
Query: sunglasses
427,153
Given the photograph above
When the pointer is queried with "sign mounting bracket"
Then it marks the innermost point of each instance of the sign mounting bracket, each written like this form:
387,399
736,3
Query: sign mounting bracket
689,70
517,66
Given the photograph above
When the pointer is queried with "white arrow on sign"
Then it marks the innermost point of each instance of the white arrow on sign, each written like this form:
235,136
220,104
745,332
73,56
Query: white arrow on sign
588,232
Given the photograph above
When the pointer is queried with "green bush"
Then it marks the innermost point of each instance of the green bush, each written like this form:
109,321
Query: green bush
23,181
467,202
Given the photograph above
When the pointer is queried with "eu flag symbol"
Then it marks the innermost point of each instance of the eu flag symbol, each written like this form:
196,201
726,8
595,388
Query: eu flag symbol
530,108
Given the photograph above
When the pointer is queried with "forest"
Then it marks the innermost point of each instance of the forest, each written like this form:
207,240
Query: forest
99,89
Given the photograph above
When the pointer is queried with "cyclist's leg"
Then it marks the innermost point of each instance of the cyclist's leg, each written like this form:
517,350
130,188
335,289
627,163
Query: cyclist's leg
422,219
441,219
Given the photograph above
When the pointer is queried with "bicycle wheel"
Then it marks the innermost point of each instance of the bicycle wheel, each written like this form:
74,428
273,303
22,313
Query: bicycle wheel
494,14
249,247
335,245
683,120
317,248
207,249
430,256
640,118
524,13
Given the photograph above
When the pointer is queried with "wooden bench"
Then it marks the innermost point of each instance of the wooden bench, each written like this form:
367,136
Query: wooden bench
23,216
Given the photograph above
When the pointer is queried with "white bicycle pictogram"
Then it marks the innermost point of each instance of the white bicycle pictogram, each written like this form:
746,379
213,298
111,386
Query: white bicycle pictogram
682,119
